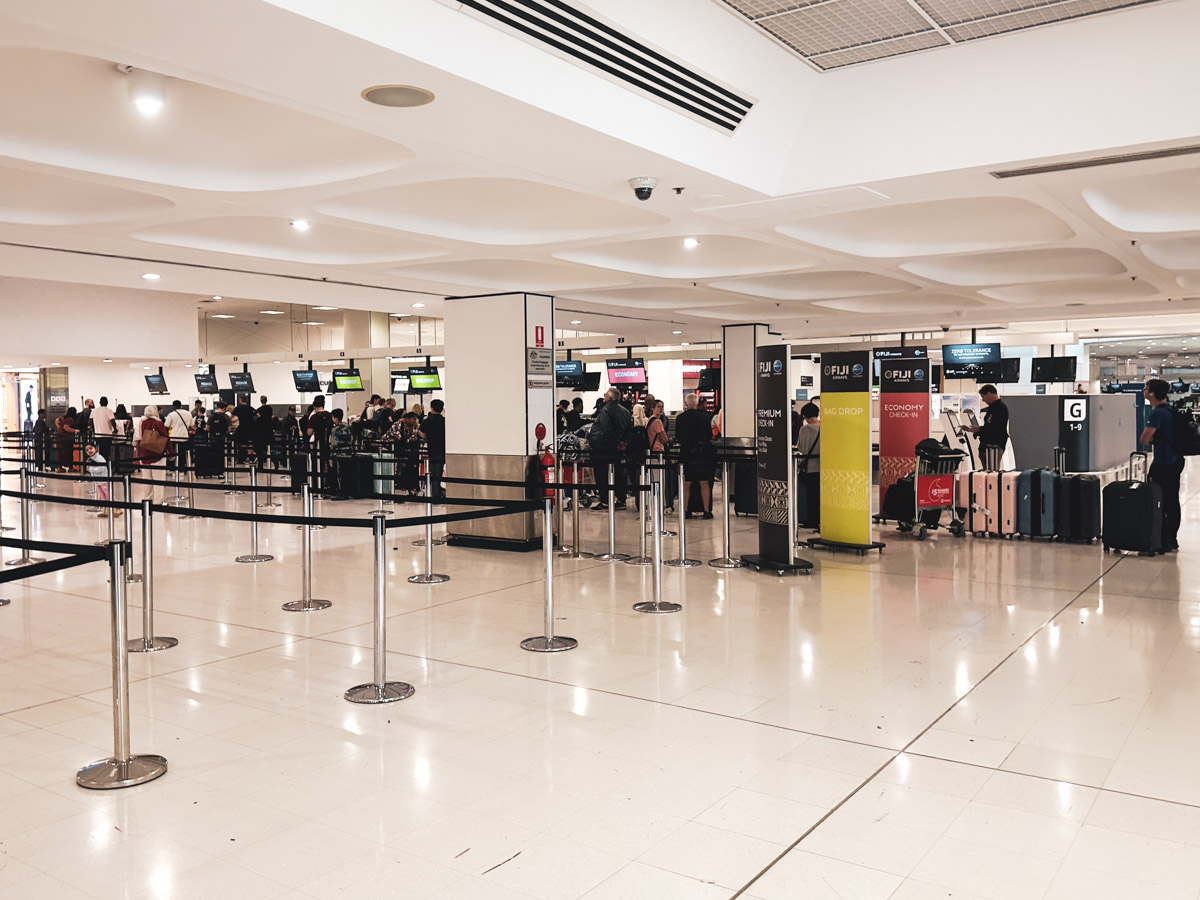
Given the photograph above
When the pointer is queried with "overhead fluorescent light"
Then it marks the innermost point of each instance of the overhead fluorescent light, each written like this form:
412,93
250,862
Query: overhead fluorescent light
576,322
271,312
690,243
312,323
217,297
324,308
300,224
221,316
418,306
676,332
151,276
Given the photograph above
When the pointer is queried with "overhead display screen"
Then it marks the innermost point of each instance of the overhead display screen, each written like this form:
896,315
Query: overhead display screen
207,384
1053,369
307,381
568,373
401,383
241,382
156,384
970,360
347,380
626,372
424,378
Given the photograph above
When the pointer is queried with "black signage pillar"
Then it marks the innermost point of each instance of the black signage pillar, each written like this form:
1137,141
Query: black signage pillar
1074,434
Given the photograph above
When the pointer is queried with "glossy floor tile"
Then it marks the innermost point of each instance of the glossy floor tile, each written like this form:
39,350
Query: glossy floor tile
966,719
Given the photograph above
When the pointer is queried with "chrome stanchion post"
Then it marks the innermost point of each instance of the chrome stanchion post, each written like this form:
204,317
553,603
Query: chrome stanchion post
22,481
178,499
112,525
682,562
656,605
254,556
131,577
270,504
575,552
428,577
122,769
148,643
643,499
420,542
547,642
306,603
380,690
25,559
312,503
612,554
560,543
662,468
725,561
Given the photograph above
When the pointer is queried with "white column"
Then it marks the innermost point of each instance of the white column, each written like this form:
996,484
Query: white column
739,343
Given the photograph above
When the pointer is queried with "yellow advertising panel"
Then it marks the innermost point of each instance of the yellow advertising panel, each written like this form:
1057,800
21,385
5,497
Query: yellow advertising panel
846,448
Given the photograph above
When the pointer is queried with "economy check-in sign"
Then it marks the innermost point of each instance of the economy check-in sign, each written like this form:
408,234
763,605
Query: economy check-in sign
903,415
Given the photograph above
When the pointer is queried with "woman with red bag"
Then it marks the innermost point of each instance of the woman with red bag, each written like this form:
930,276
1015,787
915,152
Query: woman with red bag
153,448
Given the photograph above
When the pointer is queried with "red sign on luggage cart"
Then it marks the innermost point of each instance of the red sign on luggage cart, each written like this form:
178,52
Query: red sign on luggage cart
935,491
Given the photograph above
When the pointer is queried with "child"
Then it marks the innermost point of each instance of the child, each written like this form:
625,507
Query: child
97,465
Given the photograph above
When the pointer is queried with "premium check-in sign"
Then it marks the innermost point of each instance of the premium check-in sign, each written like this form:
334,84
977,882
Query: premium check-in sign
773,443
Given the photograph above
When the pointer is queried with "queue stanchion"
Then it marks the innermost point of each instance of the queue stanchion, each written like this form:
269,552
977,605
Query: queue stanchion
24,475
560,542
148,643
308,480
271,502
306,603
548,642
254,556
380,690
122,769
643,500
25,559
662,467
112,525
726,561
131,577
612,555
438,541
36,485
657,605
682,561
575,552
428,576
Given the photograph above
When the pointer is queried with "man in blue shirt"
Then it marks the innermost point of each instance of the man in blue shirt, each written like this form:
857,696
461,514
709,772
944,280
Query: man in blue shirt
1168,465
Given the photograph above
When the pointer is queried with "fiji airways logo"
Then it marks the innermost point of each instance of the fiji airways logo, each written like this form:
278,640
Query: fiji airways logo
857,370
839,371
905,374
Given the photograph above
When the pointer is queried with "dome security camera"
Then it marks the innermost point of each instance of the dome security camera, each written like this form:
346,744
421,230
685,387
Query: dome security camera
643,186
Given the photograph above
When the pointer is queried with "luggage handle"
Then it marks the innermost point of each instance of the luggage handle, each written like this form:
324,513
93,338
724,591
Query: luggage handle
1145,460
1060,460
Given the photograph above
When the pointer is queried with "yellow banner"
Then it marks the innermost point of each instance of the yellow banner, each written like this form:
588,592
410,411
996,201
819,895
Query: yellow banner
846,467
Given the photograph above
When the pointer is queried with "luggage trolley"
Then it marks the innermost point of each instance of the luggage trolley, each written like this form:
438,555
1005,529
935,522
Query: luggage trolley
933,483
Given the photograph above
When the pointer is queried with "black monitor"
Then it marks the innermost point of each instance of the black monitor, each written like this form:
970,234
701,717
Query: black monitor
710,379
307,381
1178,387
346,380
970,360
401,383
623,373
424,378
206,384
1051,369
568,373
591,381
1064,368
1008,372
241,382
156,384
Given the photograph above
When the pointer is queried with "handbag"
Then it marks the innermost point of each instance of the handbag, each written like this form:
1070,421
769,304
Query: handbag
812,451
154,443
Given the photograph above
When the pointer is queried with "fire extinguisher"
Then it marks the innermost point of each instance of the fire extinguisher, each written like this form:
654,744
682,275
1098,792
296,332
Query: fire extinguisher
546,461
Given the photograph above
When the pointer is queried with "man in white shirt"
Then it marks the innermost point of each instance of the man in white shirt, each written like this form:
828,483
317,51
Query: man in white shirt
104,427
179,423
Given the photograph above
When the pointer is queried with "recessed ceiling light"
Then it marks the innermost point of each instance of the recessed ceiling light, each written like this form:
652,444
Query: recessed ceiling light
401,316
684,344
147,90
187,365
107,360
312,323
56,364
401,96
576,322
300,224
151,276
217,297
221,316
676,332
271,312
690,243
323,308
147,368
276,361
418,306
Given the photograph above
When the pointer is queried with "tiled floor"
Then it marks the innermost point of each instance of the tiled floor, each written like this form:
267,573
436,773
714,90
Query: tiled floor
952,719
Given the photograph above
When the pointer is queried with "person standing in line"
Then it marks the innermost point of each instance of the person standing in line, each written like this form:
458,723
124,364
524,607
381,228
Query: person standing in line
104,427
243,419
320,424
153,448
97,467
264,435
608,439
434,430
808,444
993,433
42,440
262,403
179,425
575,415
693,434
1167,468
64,440
84,420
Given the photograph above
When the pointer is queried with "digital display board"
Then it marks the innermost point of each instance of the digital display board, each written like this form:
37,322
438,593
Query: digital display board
970,360
307,381
156,384
207,384
626,372
347,380
568,373
424,378
241,382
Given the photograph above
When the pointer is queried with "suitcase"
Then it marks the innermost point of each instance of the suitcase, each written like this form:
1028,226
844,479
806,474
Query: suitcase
979,516
208,458
353,476
1035,503
745,488
1076,503
122,459
1132,516
991,500
1009,490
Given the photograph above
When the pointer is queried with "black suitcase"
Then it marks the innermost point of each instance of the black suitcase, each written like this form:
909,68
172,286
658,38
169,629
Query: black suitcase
122,459
209,459
745,488
900,505
1132,516
1077,508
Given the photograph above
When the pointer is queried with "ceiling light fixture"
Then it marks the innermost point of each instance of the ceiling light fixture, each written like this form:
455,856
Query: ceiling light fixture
684,344
187,365
147,90
221,316
151,276
690,243
276,361
676,332
400,96
271,312
300,224
576,322
56,364
323,308
107,360
312,323
418,306
217,297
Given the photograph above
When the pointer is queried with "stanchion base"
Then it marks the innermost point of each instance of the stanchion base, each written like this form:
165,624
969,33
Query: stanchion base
437,542
254,558
549,645
380,693
682,563
582,554
311,527
726,562
233,493
310,606
268,506
109,774
430,578
649,606
141,645
7,528
25,561
665,533
612,557
176,501
133,579
639,561
92,509
4,601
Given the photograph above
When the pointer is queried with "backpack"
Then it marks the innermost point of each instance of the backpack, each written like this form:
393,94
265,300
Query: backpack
1185,439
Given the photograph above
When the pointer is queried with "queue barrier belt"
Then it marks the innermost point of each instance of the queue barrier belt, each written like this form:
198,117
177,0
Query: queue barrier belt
75,555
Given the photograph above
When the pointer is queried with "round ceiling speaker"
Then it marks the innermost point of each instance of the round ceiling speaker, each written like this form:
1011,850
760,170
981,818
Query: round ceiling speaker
401,95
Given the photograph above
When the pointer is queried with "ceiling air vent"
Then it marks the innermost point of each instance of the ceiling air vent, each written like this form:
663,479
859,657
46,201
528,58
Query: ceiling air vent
584,39
1097,161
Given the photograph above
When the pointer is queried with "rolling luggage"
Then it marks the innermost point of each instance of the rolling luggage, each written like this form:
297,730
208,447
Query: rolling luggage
1009,490
979,516
745,488
1035,503
208,457
1076,503
900,505
122,459
353,476
1132,515
991,500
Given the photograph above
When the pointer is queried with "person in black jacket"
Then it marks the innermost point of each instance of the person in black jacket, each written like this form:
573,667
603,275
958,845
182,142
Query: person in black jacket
693,434
608,440
993,433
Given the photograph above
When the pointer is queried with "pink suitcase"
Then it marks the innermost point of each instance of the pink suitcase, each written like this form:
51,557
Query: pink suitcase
979,517
962,494
991,495
1008,504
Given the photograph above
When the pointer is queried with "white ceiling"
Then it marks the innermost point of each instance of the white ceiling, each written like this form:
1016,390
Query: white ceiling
428,200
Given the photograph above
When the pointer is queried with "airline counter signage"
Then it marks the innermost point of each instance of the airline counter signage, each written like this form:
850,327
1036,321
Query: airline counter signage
846,447
773,443
903,418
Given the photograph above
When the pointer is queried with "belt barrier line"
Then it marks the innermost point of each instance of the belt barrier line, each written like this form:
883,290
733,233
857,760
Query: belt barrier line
76,556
